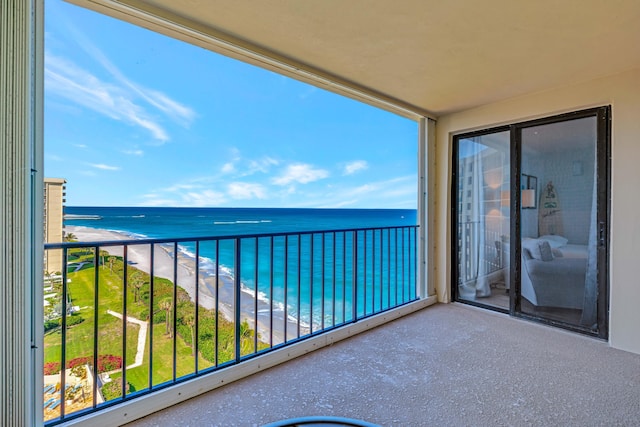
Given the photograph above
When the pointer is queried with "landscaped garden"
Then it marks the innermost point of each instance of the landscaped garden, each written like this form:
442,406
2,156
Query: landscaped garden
156,320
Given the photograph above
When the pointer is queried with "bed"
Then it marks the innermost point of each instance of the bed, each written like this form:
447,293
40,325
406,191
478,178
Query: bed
553,272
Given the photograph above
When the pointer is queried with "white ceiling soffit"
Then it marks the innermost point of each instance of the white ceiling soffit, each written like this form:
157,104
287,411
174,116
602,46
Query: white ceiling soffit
413,57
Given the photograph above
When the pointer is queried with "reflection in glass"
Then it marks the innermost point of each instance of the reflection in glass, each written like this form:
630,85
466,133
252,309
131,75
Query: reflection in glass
483,219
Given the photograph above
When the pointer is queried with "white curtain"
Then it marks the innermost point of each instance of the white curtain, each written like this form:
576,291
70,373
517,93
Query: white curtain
590,306
473,266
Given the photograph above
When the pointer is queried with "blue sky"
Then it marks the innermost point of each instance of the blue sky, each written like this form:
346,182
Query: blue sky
134,118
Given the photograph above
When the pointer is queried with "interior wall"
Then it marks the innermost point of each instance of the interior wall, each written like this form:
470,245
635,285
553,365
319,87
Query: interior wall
622,92
532,164
574,191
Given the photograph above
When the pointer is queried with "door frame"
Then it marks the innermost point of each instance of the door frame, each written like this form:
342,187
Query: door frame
603,208
455,274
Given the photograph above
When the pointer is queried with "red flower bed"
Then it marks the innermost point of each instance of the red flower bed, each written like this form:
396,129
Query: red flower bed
106,362
79,361
109,362
51,368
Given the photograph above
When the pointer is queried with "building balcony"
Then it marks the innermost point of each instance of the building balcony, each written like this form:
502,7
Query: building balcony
446,365
382,356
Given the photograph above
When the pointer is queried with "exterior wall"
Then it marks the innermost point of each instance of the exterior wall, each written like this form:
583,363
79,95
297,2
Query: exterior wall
622,92
20,215
53,216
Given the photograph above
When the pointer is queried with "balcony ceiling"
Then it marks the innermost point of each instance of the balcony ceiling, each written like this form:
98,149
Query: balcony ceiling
431,55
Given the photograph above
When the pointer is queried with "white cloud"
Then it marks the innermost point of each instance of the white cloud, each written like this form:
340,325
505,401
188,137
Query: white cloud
181,187
301,173
173,109
69,81
136,152
355,166
262,165
392,193
80,145
243,167
228,168
245,190
204,198
104,167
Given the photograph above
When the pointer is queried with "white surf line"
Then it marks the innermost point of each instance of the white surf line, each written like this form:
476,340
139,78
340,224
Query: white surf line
142,338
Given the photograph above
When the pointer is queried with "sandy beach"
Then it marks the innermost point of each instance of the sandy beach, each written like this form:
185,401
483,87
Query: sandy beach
139,256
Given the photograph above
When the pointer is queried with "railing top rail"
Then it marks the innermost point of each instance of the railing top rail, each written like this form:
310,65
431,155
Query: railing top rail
61,245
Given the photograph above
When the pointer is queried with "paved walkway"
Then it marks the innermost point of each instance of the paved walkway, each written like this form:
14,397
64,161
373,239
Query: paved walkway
142,338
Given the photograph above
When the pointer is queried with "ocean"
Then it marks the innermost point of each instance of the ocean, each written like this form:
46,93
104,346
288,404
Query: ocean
304,255
154,222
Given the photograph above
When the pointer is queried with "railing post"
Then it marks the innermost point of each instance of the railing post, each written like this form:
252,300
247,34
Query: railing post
255,298
175,308
125,261
96,302
196,318
237,296
63,325
151,313
354,280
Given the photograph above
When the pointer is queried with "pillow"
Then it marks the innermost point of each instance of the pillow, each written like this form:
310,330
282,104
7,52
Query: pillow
554,241
545,251
532,245
538,249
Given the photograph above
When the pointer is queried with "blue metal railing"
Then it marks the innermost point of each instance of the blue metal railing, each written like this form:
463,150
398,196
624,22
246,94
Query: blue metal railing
206,303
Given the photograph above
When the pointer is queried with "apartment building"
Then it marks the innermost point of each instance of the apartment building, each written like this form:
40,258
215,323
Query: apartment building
54,198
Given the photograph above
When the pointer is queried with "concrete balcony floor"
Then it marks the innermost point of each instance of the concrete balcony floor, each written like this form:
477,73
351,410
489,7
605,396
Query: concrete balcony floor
447,365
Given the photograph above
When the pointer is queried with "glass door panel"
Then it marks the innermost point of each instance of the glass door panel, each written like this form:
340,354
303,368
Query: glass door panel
482,196
558,222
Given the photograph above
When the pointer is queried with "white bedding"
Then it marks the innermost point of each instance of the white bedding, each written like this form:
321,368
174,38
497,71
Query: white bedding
571,251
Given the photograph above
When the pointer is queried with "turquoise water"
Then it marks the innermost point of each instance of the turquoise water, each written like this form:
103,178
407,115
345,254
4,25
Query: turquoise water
311,273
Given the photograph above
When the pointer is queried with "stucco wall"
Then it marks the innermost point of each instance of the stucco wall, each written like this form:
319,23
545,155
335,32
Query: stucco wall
622,92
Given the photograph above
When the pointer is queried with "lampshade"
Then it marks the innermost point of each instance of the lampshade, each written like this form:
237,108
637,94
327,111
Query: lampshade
528,198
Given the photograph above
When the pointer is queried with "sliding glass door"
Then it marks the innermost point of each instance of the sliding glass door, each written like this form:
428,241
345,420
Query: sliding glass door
563,219
482,218
531,219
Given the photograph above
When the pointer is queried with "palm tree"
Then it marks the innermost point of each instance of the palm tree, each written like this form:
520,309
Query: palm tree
246,335
69,237
137,282
190,320
166,305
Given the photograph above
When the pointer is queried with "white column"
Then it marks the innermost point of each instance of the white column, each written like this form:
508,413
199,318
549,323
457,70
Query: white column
20,217
426,206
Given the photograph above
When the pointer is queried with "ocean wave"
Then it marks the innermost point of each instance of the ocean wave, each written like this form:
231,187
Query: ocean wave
207,268
243,221
130,234
72,217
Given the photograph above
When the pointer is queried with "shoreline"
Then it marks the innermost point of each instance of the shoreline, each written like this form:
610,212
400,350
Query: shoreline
140,258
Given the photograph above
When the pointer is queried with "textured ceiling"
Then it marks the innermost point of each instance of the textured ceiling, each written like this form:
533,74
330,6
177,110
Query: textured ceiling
439,56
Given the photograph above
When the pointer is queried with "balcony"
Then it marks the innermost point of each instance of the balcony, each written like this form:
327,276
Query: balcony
127,319
449,364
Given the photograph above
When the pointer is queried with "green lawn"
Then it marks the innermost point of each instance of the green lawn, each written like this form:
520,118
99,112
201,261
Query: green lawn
80,341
